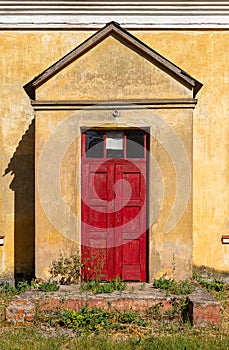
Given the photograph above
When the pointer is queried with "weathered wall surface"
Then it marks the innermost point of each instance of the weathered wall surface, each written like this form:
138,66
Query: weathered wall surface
201,53
111,71
25,55
58,177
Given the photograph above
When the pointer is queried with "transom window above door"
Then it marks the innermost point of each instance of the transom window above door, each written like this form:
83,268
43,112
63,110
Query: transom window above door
114,143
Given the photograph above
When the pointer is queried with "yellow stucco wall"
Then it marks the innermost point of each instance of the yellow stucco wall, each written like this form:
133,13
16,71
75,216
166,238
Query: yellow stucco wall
58,177
201,53
111,70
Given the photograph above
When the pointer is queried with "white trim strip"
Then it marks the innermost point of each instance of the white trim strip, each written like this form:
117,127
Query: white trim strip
95,22
130,14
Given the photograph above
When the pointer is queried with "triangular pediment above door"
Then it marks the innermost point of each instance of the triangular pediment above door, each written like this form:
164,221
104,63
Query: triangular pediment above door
112,65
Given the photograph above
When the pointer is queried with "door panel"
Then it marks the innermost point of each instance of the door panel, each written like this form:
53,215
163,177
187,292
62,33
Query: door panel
133,271
133,256
97,225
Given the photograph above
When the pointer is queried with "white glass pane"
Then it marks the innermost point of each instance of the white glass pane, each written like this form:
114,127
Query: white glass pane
114,140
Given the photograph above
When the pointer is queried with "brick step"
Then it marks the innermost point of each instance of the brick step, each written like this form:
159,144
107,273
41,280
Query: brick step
202,308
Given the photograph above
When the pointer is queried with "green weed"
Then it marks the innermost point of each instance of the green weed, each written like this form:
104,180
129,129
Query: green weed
7,291
48,286
96,286
66,269
211,284
215,286
96,319
142,286
171,286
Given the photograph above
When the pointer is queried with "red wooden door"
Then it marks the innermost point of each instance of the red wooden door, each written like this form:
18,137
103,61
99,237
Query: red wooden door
113,210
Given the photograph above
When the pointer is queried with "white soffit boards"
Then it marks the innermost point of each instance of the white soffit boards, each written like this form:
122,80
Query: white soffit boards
131,14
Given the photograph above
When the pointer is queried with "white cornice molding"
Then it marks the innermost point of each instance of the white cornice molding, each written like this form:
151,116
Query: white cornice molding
72,14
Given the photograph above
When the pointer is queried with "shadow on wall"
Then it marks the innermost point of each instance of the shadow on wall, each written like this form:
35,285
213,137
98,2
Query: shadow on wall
22,165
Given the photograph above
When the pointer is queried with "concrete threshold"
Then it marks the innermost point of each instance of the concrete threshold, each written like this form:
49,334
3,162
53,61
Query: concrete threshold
202,308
